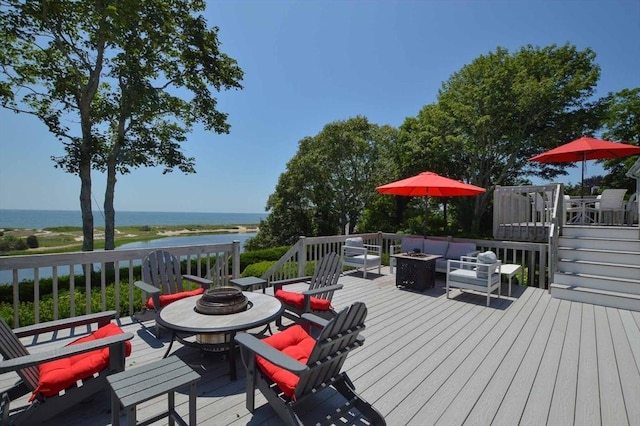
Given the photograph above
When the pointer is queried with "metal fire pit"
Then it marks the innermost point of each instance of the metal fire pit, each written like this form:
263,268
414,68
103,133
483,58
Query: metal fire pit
220,301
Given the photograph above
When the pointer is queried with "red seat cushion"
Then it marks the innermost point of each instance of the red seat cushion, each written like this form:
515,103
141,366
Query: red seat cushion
297,299
165,299
295,342
64,373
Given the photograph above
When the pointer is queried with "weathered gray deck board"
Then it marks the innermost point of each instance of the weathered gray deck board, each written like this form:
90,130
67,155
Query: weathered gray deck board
529,359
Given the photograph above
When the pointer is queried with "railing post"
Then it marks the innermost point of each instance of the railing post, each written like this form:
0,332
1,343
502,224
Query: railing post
235,269
302,256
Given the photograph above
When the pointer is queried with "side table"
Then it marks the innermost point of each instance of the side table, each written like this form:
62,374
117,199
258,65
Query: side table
248,283
132,387
509,270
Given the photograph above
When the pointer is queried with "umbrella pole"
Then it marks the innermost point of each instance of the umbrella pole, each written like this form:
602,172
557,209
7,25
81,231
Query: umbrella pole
584,159
426,209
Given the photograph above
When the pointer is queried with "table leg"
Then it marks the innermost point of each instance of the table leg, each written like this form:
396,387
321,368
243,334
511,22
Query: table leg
173,336
115,409
232,355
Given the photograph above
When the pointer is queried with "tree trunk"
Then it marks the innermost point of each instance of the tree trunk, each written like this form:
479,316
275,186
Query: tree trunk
109,211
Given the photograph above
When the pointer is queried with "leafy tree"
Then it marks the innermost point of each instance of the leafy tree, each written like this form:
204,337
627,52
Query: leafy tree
327,184
137,75
507,107
622,123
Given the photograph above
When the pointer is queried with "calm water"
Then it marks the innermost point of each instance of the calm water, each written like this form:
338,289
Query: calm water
40,219
7,276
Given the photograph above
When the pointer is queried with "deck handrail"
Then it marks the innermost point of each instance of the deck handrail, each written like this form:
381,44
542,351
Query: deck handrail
206,256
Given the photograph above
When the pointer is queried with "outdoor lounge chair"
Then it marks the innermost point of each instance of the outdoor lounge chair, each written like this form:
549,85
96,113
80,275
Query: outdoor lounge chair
45,374
359,255
162,282
317,299
475,273
290,366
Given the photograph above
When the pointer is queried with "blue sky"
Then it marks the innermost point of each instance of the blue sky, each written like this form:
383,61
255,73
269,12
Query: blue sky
308,63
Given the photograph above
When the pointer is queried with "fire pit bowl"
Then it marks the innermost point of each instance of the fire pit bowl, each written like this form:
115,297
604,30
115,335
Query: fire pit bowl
222,301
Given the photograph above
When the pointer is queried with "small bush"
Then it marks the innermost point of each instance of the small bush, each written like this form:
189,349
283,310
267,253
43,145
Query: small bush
32,241
12,243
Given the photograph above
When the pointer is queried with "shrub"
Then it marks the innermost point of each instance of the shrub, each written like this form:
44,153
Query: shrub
257,269
32,241
12,243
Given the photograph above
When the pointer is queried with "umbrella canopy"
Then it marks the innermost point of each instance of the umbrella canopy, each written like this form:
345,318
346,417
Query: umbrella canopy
584,149
429,184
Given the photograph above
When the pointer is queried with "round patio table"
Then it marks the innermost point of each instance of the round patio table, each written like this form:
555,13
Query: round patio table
183,321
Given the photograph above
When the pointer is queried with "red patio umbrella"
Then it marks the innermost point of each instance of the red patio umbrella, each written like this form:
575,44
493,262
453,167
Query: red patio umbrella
584,149
429,184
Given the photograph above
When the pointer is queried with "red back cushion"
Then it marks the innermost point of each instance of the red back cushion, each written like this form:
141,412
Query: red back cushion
295,342
64,373
297,299
165,299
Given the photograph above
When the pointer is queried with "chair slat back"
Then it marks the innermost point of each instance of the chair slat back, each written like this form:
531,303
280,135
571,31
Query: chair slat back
326,274
612,199
11,347
333,344
162,269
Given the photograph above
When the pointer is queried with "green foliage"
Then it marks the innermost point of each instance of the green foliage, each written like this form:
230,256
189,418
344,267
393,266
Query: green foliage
622,124
327,184
10,243
32,241
271,254
257,269
26,309
136,75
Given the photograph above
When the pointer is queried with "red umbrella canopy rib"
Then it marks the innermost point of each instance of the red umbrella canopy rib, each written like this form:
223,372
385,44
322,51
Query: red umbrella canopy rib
429,184
586,149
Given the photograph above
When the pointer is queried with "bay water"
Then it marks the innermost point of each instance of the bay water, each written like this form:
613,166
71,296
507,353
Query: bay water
41,219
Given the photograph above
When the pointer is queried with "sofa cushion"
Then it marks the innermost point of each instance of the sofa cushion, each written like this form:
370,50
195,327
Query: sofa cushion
410,244
297,299
353,242
165,299
438,247
469,277
295,342
456,250
485,260
372,259
63,373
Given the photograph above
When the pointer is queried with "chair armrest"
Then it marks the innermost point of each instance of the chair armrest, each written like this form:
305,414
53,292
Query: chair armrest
101,318
274,356
470,259
277,285
147,288
373,247
315,320
202,282
323,289
474,253
64,352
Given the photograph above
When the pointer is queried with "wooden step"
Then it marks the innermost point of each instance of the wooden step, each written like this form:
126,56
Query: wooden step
596,296
622,285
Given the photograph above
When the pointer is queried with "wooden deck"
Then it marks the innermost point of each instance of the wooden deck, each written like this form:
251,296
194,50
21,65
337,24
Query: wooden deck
529,359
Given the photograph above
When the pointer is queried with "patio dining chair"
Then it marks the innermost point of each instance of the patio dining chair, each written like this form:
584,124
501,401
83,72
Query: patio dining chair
609,208
291,366
51,376
162,281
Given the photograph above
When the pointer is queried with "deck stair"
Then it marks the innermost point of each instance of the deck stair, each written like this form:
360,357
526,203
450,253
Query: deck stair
599,265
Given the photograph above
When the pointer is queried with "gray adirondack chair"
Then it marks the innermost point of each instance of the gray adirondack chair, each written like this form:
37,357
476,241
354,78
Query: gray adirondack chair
17,358
162,281
322,285
322,370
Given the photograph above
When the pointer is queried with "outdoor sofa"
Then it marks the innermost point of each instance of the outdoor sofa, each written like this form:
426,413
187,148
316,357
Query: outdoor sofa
449,250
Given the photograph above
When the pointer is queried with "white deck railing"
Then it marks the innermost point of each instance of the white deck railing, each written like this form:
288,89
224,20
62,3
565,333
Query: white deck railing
98,262
532,256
